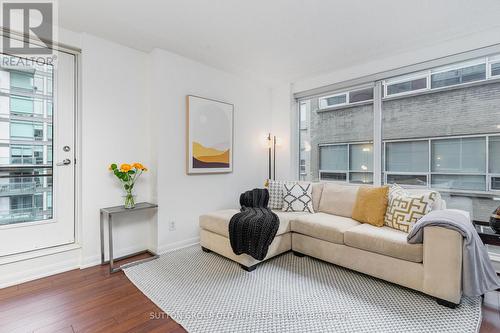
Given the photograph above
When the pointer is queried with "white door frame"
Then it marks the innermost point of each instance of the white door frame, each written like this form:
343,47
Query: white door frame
77,144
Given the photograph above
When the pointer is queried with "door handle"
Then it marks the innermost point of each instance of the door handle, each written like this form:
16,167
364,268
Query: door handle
66,161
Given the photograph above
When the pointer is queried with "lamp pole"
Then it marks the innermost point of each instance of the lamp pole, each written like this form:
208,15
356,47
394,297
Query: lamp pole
274,158
269,150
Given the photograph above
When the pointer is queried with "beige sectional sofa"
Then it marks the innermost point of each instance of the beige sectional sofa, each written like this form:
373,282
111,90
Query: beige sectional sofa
330,234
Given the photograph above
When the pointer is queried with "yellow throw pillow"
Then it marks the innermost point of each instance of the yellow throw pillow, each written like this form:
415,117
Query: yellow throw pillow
371,204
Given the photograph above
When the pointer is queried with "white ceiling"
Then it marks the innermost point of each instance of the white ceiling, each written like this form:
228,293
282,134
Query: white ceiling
280,40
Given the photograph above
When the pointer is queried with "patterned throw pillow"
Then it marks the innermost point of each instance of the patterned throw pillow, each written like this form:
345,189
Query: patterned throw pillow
275,194
297,197
405,209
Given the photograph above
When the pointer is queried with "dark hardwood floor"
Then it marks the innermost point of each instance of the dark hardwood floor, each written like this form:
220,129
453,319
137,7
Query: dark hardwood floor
87,300
90,300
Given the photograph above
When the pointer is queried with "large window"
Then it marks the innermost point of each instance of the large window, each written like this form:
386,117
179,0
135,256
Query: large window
440,129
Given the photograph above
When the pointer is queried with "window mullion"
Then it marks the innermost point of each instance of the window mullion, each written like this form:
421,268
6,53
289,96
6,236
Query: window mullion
377,134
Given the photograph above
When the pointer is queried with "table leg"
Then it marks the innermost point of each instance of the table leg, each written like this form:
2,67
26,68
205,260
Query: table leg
101,219
110,231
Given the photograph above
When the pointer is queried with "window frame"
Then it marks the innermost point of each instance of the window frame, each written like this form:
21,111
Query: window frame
346,94
442,69
348,171
421,75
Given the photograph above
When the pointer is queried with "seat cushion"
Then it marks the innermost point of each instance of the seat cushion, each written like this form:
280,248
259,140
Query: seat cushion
218,222
323,226
383,240
338,199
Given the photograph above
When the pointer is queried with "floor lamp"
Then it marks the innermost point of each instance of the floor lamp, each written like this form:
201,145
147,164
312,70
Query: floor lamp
271,150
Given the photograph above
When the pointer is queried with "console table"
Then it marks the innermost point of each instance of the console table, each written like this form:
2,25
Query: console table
109,212
487,235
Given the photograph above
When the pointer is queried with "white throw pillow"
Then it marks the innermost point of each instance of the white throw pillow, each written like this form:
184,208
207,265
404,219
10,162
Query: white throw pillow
405,209
275,194
297,197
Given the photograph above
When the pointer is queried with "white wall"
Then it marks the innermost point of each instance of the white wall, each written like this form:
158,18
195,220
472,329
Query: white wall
183,198
115,128
283,119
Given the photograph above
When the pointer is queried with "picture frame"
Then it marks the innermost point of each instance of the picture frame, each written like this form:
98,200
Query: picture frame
209,135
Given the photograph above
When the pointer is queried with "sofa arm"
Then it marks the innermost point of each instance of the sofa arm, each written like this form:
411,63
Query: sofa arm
443,263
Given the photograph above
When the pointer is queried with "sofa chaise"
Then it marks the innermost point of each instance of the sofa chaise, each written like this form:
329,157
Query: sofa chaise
330,234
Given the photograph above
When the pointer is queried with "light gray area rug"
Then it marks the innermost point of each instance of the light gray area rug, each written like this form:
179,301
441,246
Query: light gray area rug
205,292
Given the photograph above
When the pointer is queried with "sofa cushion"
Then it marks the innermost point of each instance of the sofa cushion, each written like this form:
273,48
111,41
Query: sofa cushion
383,240
323,226
317,190
218,222
371,204
338,199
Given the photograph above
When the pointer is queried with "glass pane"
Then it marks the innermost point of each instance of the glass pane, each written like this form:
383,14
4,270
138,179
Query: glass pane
361,157
361,95
416,180
411,156
465,155
22,130
25,149
494,157
495,69
21,104
332,101
19,80
361,177
495,183
402,87
324,145
333,157
305,140
458,76
333,176
459,182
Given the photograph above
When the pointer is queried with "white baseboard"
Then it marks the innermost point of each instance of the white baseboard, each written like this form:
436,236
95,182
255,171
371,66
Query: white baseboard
178,245
95,259
35,270
56,263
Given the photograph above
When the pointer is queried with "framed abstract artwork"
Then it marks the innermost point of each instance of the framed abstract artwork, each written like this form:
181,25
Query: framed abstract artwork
209,136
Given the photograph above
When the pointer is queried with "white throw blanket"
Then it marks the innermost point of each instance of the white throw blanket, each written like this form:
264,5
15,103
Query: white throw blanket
478,274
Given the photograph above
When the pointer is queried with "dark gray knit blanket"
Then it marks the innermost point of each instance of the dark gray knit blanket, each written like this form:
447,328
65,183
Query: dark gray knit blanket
252,230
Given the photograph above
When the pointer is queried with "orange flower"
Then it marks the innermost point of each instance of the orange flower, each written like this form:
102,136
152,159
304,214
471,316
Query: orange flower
138,166
125,167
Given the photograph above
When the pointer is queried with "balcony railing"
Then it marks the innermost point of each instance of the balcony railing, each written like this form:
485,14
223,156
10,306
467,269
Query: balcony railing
23,215
17,188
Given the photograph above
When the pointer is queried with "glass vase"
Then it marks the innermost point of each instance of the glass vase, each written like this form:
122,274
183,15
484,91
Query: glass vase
129,200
